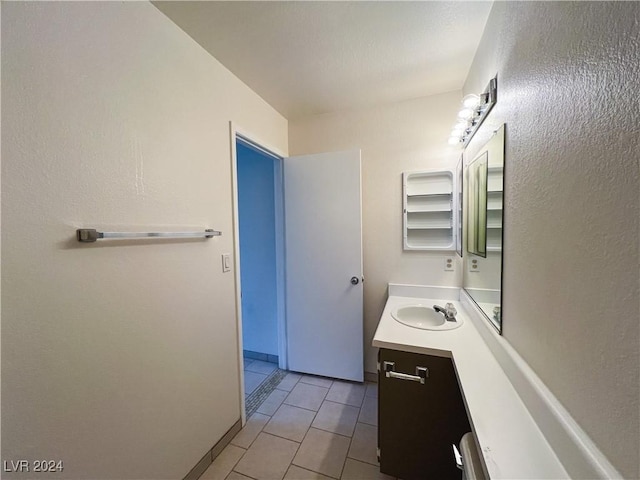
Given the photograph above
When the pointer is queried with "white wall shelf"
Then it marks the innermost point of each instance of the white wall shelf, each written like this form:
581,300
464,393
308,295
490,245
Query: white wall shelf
429,206
494,209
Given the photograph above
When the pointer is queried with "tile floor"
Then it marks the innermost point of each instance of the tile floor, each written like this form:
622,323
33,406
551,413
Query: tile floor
256,372
308,428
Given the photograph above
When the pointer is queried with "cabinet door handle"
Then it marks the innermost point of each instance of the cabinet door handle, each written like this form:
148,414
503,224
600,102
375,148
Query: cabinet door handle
421,373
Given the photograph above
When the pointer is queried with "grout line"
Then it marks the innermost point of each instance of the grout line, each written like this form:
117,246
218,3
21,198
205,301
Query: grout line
297,450
365,423
344,464
364,461
241,456
285,438
243,474
298,406
314,384
335,433
303,439
285,373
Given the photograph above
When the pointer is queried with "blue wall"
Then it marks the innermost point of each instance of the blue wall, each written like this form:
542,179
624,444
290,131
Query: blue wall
256,204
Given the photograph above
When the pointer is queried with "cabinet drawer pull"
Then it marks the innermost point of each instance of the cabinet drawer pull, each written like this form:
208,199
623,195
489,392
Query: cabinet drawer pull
421,373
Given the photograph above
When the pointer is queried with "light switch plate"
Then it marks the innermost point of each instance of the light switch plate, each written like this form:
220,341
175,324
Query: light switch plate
226,262
448,264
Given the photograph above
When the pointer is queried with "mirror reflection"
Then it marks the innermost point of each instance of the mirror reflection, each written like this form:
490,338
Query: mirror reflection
477,211
482,230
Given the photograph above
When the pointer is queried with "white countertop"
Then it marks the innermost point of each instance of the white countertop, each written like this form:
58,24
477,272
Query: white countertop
512,444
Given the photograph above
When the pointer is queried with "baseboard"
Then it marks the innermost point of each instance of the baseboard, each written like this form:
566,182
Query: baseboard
578,454
371,377
265,357
197,471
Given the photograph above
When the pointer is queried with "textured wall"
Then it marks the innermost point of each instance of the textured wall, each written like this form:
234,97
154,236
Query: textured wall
398,137
119,359
568,91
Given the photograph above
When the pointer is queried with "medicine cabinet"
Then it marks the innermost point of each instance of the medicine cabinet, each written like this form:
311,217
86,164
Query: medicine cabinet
429,205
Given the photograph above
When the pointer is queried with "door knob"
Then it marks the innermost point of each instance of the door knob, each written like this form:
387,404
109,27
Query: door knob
355,280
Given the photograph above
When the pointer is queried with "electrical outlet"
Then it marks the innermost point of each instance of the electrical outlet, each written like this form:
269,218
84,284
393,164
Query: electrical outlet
474,265
448,264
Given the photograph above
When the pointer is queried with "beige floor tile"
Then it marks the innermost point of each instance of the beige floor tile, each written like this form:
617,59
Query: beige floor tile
347,393
336,418
290,422
319,381
289,382
306,396
297,473
224,463
252,380
268,458
322,452
258,366
369,411
372,390
245,437
355,470
272,402
364,444
237,476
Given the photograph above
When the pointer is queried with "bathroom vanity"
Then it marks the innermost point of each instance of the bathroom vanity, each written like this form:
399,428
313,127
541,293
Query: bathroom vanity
466,390
421,415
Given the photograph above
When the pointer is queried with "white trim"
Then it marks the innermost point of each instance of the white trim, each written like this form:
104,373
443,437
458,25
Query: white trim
579,455
236,271
278,185
255,146
256,141
237,132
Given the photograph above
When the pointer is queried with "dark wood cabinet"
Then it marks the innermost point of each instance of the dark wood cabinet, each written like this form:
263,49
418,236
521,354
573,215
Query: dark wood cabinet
421,414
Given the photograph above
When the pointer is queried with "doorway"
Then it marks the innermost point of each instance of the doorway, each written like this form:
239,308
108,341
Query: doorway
259,251
258,270
318,198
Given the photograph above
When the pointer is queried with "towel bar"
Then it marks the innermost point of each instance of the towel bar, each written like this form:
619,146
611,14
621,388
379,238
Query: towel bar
86,235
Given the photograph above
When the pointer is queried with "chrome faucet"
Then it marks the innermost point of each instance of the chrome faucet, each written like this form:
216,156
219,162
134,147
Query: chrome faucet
448,311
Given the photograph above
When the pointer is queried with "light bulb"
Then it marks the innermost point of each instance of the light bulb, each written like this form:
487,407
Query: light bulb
465,114
471,101
459,129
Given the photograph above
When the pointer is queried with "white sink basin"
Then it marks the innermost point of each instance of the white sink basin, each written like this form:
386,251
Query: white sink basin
423,317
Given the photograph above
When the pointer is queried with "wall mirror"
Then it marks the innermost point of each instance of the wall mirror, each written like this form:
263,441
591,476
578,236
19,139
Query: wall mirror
482,229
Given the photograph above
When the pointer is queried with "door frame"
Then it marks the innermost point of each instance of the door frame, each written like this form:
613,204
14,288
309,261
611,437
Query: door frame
236,132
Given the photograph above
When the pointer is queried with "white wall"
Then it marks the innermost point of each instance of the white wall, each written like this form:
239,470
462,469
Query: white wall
398,137
118,358
568,92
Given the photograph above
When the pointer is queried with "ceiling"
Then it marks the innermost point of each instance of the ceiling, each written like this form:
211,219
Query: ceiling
307,58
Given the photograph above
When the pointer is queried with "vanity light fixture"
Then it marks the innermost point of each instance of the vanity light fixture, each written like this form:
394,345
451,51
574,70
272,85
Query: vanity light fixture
475,109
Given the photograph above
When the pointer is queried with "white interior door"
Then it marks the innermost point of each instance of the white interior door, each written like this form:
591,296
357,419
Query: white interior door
323,238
